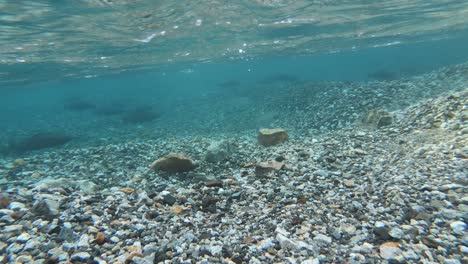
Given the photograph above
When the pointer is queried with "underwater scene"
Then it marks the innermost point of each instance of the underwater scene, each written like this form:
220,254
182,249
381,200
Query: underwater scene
249,131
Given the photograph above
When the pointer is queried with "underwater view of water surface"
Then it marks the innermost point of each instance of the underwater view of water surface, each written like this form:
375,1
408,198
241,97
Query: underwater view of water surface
261,131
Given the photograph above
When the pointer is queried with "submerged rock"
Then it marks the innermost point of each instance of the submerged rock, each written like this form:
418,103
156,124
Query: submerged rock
40,140
219,151
173,162
269,137
139,115
110,109
264,168
377,118
77,104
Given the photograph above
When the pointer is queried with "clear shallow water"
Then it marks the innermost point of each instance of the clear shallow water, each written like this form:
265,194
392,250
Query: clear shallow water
43,40
203,67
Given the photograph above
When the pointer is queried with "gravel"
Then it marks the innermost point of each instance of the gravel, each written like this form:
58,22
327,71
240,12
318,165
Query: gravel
358,194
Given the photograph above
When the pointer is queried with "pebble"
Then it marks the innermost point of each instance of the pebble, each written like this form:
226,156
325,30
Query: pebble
458,226
23,238
339,197
16,206
80,256
114,239
323,239
390,251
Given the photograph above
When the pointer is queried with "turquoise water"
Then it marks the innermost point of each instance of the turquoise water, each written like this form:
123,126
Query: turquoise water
247,131
171,58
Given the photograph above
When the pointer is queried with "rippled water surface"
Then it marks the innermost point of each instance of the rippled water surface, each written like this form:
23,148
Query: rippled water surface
43,40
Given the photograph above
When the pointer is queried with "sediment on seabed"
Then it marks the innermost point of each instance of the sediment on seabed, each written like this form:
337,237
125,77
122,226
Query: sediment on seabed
388,193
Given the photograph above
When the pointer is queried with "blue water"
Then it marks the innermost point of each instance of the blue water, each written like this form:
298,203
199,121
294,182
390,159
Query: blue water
35,95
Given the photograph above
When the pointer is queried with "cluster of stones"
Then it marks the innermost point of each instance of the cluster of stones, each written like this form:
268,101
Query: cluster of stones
393,194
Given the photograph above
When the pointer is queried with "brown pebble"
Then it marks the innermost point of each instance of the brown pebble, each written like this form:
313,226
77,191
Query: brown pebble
249,240
4,201
127,190
214,183
100,238
17,215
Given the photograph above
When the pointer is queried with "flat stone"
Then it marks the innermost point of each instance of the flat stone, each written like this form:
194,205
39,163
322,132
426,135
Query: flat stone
451,186
214,183
266,167
173,162
323,239
269,137
391,251
12,228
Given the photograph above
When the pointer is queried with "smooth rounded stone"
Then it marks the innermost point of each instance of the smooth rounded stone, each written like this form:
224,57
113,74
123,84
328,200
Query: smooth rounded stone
16,206
458,226
271,136
396,233
391,251
463,249
83,242
23,238
80,256
219,151
323,239
173,162
87,187
31,244
114,239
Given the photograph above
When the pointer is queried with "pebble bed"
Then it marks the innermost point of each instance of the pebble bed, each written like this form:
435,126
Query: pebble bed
397,194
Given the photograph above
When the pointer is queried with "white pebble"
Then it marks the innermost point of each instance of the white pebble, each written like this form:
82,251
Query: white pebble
114,239
16,206
458,226
23,238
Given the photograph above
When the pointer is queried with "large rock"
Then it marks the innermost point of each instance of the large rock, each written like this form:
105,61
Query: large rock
271,136
173,162
219,151
377,118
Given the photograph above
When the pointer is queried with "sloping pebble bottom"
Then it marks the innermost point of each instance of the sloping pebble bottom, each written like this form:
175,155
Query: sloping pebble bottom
355,195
